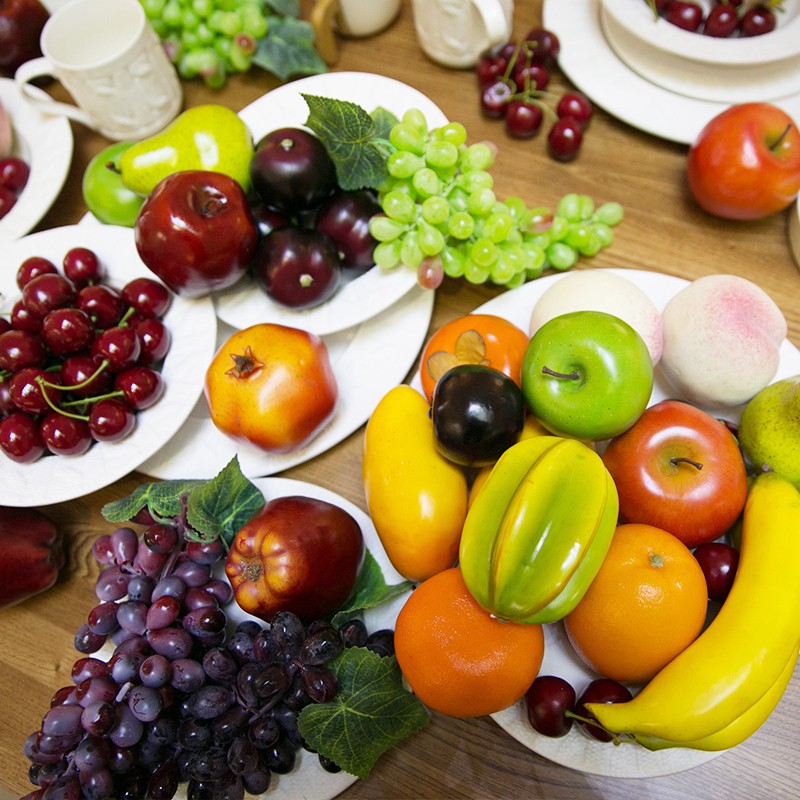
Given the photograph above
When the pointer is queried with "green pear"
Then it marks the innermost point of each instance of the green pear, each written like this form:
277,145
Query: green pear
208,137
769,432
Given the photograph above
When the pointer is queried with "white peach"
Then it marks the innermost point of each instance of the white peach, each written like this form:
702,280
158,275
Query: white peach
599,290
722,336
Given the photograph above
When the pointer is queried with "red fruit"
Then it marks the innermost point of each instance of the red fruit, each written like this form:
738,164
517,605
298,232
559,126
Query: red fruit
21,23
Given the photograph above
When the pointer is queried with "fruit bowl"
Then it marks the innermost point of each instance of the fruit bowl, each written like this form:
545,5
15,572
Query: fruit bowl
738,69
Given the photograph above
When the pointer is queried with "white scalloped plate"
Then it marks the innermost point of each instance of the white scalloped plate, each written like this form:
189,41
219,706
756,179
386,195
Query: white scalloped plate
45,142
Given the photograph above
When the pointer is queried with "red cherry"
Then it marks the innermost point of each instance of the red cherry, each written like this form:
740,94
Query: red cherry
155,338
82,266
565,138
8,200
33,266
23,319
111,420
141,386
576,105
20,439
20,349
77,370
14,173
150,298
495,97
120,346
29,395
65,436
523,119
102,303
46,292
67,330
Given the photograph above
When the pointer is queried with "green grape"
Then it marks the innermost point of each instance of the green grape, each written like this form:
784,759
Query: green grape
534,259
202,8
541,240
457,198
426,182
561,256
384,229
172,14
517,281
536,220
410,252
586,206
477,156
406,137
483,252
189,40
498,226
507,265
414,118
453,261
481,201
253,21
404,163
558,230
223,46
204,34
592,246
569,207
189,20
460,225
578,236
435,210
475,273
453,132
430,239
228,23
473,181
516,207
441,154
399,206
161,30
609,214
153,9
604,233
387,254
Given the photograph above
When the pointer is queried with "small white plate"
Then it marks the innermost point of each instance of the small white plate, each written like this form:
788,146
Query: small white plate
591,64
45,142
367,361
193,326
576,750
375,290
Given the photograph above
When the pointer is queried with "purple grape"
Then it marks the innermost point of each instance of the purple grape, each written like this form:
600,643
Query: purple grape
91,754
199,598
93,690
210,701
132,615
188,675
124,545
88,667
163,783
220,665
222,590
170,642
163,612
193,574
205,552
155,671
140,587
98,718
145,703
172,586
62,721
97,784
205,621
112,584
128,730
194,734
242,756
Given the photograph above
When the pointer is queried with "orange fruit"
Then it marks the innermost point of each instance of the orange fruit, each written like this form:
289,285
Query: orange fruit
458,658
647,603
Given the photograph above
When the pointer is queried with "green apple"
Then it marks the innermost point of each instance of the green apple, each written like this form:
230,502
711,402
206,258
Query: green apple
105,194
769,431
587,374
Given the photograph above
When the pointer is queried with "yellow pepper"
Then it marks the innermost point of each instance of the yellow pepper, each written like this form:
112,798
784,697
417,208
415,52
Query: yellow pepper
416,497
538,529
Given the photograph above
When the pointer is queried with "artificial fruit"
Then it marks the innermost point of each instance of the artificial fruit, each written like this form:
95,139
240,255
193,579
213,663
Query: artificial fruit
104,193
21,23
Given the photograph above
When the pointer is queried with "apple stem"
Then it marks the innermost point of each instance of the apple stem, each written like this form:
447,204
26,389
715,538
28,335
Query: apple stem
774,146
110,165
681,460
572,376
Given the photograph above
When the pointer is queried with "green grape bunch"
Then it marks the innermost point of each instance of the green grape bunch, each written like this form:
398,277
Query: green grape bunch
441,215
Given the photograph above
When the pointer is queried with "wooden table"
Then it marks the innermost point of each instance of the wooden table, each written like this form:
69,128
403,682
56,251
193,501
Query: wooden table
663,231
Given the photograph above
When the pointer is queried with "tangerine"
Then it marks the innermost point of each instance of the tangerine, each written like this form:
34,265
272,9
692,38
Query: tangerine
647,603
458,658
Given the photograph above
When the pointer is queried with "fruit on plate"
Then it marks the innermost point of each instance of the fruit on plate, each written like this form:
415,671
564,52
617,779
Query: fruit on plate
722,337
647,604
599,290
6,132
104,193
14,174
768,431
538,529
724,685
547,703
459,659
195,231
271,386
587,374
680,469
208,137
298,554
344,219
485,339
745,163
21,23
416,497
33,553
478,412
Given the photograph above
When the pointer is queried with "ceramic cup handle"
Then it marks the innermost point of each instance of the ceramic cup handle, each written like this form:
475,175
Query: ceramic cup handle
497,27
39,68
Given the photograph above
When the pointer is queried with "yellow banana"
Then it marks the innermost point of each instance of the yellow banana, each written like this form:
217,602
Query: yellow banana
740,655
745,725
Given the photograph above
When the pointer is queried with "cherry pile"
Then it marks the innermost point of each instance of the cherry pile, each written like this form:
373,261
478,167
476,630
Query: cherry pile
725,18
513,82
14,174
78,357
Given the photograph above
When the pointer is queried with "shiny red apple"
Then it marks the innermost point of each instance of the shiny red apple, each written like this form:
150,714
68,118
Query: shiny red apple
21,23
196,232
745,163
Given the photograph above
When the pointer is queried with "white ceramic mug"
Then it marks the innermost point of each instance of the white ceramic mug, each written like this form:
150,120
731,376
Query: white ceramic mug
353,18
456,32
108,57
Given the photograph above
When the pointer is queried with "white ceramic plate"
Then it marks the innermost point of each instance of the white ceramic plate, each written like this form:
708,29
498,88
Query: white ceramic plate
371,292
367,361
192,323
45,142
592,65
577,750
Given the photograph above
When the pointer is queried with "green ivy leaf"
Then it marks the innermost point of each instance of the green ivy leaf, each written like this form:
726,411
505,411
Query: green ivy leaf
353,140
222,505
288,49
370,590
371,713
162,499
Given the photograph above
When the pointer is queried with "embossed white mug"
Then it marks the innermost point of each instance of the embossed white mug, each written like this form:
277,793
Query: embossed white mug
456,32
111,61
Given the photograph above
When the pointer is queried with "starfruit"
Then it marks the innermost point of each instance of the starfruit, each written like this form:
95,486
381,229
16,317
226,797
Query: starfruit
538,529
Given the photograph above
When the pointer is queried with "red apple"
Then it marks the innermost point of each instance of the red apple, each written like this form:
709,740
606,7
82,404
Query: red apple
745,163
196,232
680,469
21,23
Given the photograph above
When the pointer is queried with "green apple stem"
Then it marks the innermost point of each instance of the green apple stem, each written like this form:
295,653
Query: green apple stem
681,460
570,376
776,144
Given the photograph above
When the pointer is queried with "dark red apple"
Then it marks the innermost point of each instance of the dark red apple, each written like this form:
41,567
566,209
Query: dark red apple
196,232
21,23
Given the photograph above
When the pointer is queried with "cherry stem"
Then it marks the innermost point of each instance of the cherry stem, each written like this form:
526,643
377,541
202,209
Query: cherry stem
43,384
774,146
85,382
681,460
85,400
571,376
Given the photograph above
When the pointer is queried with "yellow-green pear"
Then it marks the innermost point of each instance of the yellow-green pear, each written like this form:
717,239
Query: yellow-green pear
769,432
209,137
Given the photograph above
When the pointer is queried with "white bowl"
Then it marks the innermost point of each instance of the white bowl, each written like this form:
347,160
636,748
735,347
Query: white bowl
734,70
794,232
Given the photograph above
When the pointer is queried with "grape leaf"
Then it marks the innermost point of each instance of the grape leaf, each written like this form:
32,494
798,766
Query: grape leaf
371,713
288,49
284,8
162,499
353,140
384,122
370,590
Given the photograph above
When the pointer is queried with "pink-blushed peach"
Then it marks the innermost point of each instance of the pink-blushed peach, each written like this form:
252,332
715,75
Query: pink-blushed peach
599,290
722,336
